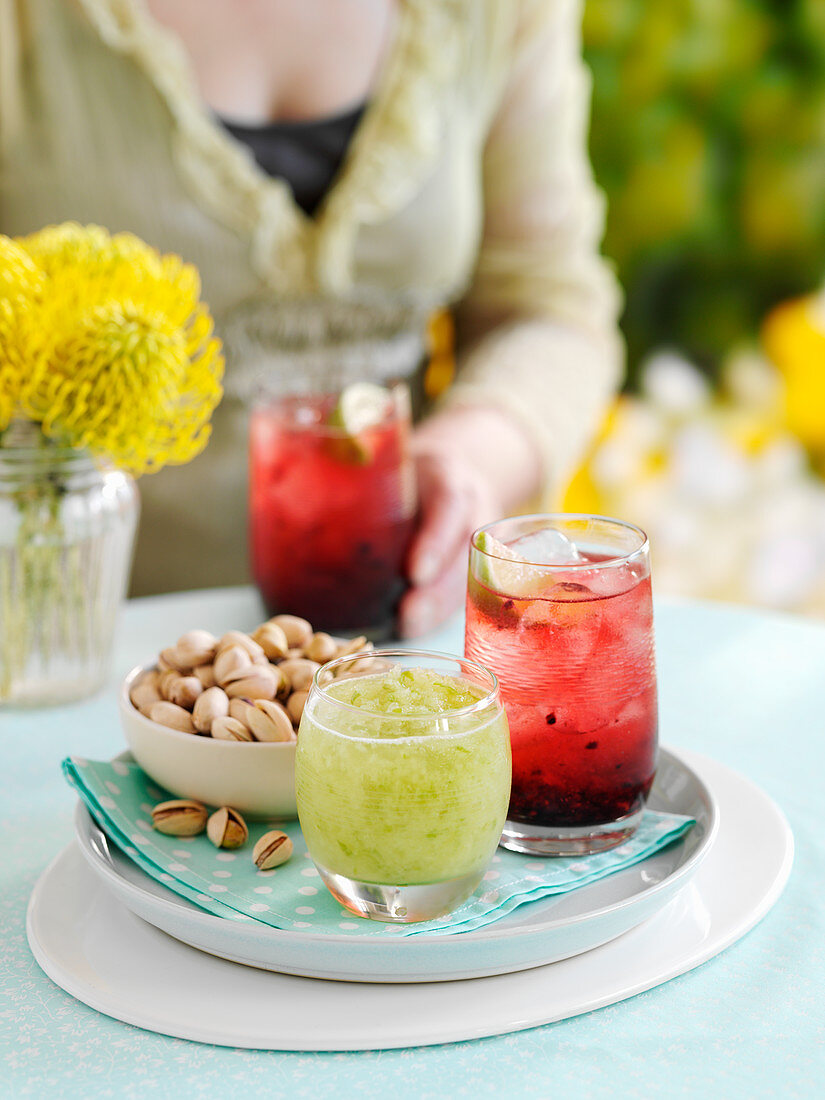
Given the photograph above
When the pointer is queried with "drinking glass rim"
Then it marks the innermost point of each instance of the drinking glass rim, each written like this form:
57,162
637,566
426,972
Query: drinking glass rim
397,390
617,559
491,696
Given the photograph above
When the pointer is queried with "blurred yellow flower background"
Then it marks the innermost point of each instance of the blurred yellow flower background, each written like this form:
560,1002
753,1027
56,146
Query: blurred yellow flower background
725,479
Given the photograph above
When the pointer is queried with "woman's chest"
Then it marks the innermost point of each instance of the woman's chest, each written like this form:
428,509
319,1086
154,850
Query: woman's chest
259,61
114,132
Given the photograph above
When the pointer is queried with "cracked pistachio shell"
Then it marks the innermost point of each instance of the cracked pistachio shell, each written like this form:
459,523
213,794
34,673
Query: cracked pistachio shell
226,828
229,661
170,659
196,647
295,705
299,672
144,693
206,675
230,729
184,691
210,704
165,681
239,709
179,817
272,640
270,722
171,715
259,683
353,645
321,648
236,638
298,631
273,849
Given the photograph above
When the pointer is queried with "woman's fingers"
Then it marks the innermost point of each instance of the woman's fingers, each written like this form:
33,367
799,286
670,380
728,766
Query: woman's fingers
446,514
423,609
454,500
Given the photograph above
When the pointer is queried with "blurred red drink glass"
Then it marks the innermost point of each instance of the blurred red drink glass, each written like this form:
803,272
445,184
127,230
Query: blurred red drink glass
332,510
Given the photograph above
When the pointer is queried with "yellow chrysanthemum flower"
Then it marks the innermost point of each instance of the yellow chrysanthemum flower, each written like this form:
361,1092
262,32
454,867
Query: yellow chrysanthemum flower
127,384
21,287
20,276
129,368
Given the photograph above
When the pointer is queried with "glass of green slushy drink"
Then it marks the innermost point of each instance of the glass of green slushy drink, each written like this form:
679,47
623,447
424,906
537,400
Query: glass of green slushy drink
402,776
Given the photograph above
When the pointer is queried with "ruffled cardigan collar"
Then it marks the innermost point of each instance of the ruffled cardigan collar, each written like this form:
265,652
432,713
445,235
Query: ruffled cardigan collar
391,153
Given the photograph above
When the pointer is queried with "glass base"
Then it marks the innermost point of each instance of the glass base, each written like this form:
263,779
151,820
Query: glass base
579,840
399,904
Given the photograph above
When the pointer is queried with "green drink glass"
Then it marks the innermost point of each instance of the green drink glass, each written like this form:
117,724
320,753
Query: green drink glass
402,778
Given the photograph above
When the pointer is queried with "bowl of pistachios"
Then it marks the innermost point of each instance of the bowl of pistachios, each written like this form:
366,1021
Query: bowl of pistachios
216,718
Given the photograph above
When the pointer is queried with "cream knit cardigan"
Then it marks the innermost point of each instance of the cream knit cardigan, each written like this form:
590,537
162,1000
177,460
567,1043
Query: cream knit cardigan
467,184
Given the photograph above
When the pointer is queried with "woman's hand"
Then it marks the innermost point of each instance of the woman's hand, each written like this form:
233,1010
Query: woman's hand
473,465
453,501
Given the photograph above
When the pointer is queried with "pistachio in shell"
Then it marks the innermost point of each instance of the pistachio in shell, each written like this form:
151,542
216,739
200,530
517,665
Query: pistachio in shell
271,850
179,817
226,828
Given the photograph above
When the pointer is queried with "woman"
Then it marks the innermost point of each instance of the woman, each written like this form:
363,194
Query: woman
459,178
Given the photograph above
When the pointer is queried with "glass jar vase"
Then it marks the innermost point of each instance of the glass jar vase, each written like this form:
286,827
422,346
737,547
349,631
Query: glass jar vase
67,528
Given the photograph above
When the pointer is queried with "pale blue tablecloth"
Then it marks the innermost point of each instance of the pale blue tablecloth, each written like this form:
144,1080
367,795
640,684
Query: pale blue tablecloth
745,687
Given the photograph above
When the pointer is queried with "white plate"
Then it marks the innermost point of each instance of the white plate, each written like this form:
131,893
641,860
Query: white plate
532,935
104,955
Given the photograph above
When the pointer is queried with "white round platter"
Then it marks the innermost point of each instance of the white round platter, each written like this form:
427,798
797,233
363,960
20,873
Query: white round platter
105,956
535,934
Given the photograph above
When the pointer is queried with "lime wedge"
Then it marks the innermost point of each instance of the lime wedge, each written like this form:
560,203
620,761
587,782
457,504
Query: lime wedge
360,406
506,572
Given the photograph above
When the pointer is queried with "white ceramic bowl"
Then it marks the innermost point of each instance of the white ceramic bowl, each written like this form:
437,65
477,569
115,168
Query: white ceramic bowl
256,778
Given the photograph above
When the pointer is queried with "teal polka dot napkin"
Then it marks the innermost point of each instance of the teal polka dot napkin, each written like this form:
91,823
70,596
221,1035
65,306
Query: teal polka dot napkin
120,796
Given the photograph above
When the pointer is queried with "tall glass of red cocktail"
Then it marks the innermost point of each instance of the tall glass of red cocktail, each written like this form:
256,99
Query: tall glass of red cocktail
559,607
332,505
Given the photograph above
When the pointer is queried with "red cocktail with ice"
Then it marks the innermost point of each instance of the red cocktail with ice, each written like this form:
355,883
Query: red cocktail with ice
559,607
332,506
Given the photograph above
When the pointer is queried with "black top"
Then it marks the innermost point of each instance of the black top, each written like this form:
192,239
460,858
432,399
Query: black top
307,155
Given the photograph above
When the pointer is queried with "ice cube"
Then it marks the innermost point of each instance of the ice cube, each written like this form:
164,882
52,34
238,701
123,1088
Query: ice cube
548,546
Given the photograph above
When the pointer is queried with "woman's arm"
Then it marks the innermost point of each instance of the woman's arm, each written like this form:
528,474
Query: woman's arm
540,355
539,321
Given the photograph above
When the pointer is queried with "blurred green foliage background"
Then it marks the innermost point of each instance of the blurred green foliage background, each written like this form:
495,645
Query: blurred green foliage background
708,136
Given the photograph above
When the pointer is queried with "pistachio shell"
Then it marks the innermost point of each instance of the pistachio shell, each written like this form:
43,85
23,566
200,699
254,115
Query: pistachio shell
170,658
179,817
196,647
353,645
171,715
295,705
167,678
211,704
236,638
230,729
271,850
143,694
270,722
229,660
226,828
184,691
299,671
272,640
298,631
321,647
259,684
239,709
206,675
